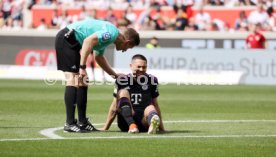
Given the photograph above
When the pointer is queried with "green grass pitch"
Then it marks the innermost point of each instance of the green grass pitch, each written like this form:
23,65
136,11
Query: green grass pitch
201,121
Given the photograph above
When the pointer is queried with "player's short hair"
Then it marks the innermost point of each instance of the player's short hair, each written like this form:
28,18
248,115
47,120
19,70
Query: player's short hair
139,56
132,35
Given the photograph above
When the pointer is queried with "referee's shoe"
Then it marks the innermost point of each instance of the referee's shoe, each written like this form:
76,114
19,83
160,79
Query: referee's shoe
72,127
87,126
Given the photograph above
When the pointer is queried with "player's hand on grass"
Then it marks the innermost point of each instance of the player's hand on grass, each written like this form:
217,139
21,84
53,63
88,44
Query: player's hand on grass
102,129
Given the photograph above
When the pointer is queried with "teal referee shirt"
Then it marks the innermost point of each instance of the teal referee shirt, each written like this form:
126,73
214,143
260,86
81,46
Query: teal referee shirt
105,31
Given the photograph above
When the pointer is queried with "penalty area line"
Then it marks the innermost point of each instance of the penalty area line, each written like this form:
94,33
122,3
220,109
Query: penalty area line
220,121
141,137
50,132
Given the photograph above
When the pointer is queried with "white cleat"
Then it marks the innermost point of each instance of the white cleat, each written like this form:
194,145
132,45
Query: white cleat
154,124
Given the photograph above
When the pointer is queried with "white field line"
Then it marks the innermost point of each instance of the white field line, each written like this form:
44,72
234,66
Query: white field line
141,137
50,132
220,121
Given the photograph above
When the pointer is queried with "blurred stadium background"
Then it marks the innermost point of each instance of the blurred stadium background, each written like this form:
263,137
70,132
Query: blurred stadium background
199,56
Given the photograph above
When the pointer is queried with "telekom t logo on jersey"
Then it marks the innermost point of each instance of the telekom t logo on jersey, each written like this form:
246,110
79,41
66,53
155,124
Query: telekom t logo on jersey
136,98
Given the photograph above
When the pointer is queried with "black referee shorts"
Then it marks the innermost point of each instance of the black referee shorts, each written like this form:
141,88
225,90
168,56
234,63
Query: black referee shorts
68,51
122,124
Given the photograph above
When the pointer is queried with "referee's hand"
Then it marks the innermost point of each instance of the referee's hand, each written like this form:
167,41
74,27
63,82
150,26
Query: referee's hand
82,73
83,78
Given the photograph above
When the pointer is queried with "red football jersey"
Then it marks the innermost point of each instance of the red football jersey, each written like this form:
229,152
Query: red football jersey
256,41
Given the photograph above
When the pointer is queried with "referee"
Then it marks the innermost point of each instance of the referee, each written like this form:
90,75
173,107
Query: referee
73,45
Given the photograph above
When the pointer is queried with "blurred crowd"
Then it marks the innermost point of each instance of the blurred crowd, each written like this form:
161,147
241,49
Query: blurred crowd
14,13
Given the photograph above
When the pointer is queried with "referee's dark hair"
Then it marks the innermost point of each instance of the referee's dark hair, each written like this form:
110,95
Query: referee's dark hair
139,56
132,35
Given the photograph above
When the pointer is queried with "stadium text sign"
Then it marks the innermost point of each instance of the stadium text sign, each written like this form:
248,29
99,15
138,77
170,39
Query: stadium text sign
256,66
36,58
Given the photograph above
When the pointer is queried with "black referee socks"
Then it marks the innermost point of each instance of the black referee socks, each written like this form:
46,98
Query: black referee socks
70,101
82,103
